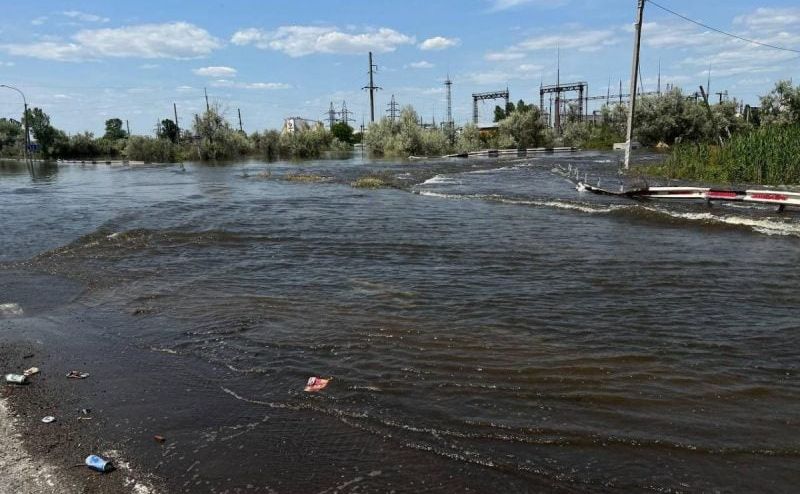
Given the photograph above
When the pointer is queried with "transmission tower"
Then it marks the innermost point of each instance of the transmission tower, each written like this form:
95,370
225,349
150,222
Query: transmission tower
331,116
448,84
345,114
393,110
372,88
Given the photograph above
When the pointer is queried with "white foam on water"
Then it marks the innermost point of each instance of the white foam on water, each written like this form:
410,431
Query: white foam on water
10,309
493,170
585,208
766,226
439,179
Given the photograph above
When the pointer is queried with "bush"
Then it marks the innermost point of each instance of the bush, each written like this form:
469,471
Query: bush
524,129
469,140
405,137
151,150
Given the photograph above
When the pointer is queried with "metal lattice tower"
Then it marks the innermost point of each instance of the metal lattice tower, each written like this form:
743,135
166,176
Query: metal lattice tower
331,116
448,84
393,110
487,96
345,114
450,127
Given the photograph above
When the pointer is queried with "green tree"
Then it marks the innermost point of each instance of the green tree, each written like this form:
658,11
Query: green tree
782,105
45,134
168,129
11,136
343,132
469,139
499,113
218,140
525,128
114,129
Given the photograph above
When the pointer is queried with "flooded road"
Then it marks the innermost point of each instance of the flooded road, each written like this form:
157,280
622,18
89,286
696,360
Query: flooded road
485,319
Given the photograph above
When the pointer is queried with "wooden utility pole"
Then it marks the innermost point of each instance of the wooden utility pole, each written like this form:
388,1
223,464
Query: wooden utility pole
208,108
127,126
239,110
175,112
634,81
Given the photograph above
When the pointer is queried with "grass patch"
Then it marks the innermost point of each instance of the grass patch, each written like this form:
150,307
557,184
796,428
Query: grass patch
769,155
304,178
370,182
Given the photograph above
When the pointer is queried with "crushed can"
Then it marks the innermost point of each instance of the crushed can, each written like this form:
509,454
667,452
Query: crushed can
16,378
96,463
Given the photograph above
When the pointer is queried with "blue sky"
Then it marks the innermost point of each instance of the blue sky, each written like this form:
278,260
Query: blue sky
84,62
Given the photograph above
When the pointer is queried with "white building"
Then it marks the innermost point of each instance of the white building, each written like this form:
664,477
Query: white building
299,124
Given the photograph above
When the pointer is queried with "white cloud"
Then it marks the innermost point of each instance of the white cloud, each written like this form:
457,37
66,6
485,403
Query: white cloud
172,40
38,21
581,40
503,56
47,50
439,43
215,71
498,5
84,17
149,66
250,85
770,18
6,64
298,41
422,64
674,35
523,72
177,40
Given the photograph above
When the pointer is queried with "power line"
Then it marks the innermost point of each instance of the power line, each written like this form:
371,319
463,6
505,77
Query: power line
720,31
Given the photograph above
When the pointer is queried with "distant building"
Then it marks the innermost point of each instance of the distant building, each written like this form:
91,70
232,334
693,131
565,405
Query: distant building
299,124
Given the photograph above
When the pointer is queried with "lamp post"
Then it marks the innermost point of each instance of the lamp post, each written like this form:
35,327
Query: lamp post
25,118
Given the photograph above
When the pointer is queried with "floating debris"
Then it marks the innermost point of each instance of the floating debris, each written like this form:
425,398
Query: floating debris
10,309
315,384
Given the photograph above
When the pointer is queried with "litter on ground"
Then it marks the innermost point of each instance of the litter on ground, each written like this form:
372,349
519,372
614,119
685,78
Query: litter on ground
31,371
100,464
16,378
73,374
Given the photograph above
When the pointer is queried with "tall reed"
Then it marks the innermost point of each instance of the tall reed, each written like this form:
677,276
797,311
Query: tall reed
769,155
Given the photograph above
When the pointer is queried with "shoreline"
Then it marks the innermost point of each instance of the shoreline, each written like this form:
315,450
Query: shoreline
22,473
48,458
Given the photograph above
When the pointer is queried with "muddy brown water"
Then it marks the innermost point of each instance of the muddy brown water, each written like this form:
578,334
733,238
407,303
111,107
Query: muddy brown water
486,326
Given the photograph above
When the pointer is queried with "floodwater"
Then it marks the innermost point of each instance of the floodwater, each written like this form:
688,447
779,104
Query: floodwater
488,326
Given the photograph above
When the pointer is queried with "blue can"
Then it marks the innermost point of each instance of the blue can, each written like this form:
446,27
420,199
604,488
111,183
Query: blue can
96,463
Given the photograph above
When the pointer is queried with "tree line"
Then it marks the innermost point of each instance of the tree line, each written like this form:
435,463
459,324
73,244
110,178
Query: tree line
211,137
671,119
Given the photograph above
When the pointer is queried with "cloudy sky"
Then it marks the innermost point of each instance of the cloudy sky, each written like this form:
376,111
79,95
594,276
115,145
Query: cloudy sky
84,62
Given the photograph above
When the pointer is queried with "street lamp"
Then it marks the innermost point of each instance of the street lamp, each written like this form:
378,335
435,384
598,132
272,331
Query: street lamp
27,134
